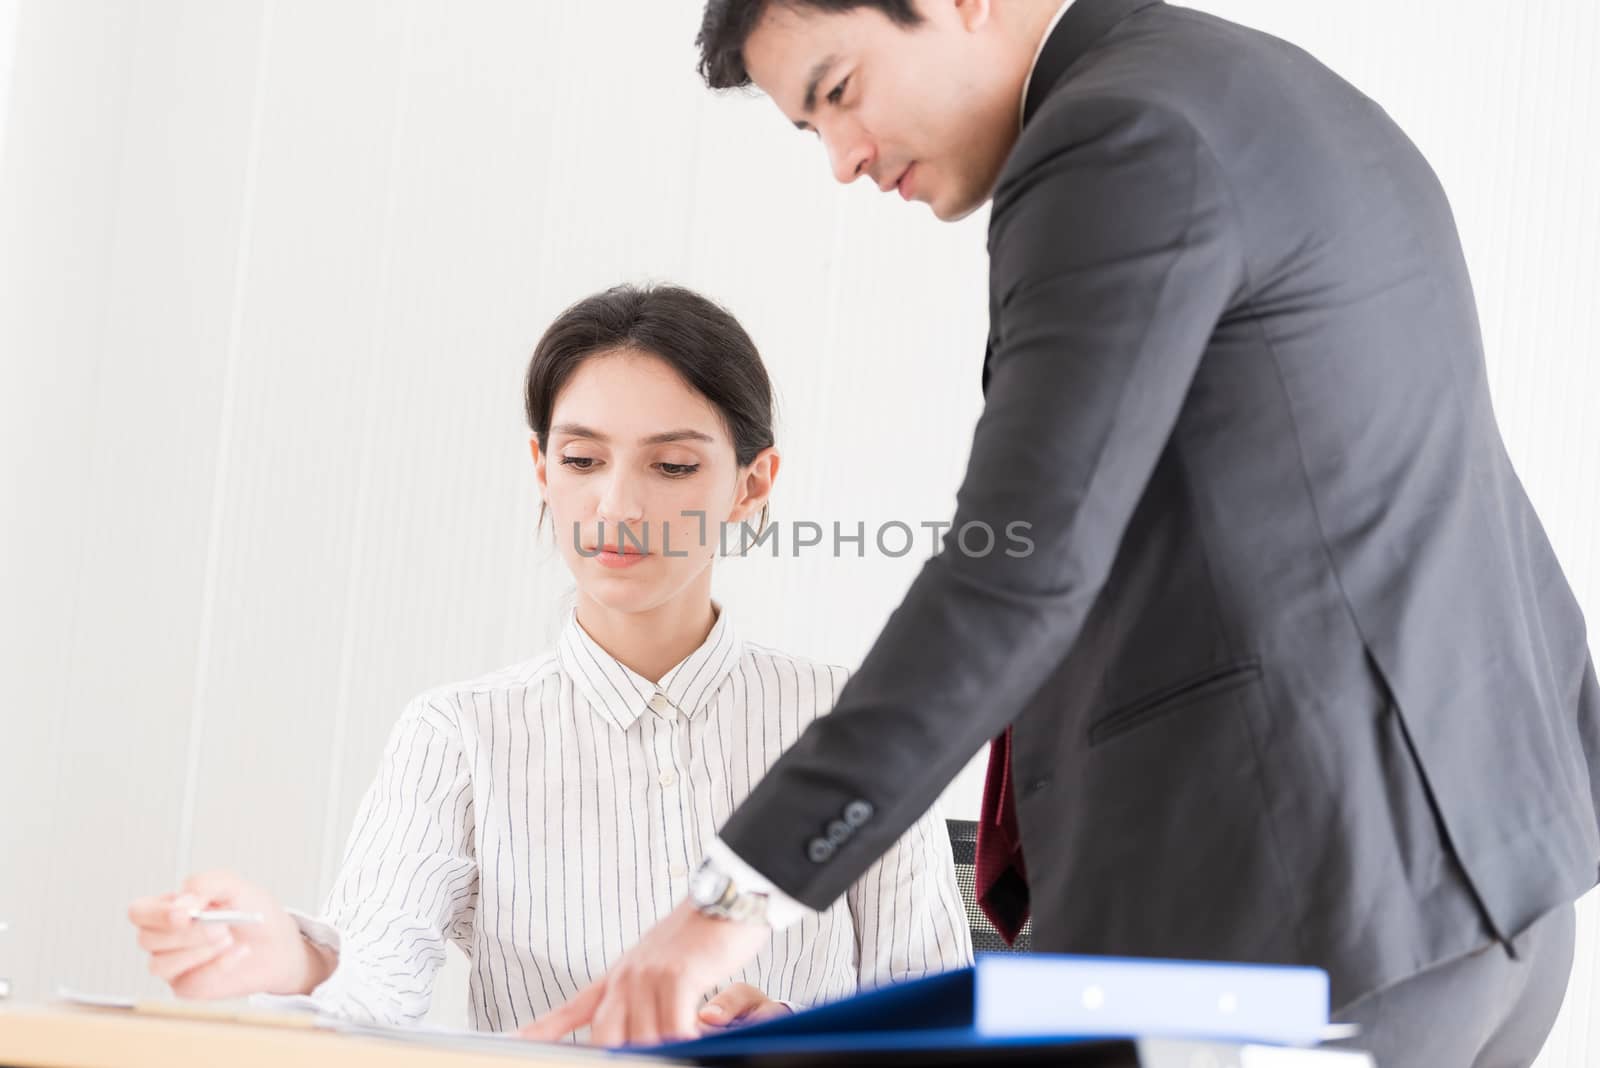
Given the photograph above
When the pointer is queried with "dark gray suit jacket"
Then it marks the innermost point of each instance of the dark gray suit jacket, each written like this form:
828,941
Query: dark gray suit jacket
1294,672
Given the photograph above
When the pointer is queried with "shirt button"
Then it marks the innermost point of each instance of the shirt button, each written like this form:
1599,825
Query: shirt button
669,778
661,705
679,871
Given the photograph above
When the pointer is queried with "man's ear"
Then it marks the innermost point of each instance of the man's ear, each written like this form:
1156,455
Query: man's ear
755,484
974,14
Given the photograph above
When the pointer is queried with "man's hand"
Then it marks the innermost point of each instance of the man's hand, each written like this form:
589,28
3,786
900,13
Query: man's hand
651,994
741,1004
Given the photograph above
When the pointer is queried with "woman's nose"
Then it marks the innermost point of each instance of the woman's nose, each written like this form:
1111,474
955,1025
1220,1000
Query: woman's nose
620,502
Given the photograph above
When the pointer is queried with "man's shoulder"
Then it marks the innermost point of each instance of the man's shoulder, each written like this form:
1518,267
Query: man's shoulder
1172,72
1090,163
1096,125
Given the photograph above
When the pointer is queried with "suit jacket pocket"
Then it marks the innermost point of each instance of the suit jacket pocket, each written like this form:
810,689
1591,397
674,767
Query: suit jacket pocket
1153,706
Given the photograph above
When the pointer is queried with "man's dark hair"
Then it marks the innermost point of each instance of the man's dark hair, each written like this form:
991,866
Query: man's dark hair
728,25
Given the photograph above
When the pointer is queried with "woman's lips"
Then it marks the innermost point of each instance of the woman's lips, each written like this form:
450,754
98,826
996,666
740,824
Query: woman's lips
619,560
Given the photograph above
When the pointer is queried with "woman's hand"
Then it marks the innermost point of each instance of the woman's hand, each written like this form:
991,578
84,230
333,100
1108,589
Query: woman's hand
209,961
740,1004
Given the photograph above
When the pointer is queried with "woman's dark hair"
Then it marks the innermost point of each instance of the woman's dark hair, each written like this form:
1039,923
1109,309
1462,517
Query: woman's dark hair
694,336
728,24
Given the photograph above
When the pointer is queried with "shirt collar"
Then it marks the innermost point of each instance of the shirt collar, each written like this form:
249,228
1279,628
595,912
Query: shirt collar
621,695
1022,104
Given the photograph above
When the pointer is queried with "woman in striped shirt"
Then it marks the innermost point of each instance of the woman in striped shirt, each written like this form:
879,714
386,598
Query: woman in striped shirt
544,816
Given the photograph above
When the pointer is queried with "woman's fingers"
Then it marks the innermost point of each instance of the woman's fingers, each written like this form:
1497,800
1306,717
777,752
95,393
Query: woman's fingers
191,936
215,887
218,979
170,965
181,908
741,1003
153,912
209,960
728,1006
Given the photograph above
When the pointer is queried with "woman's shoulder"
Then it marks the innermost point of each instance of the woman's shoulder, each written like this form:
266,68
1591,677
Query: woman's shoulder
452,705
790,669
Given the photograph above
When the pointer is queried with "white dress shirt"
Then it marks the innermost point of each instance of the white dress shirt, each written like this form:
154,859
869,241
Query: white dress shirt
545,816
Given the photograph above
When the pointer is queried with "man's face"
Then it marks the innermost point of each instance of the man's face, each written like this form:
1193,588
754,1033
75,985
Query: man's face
928,111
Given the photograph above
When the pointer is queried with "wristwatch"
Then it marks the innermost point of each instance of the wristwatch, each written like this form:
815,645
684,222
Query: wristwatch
715,894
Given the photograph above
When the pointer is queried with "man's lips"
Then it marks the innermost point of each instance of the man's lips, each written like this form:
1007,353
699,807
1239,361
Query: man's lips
903,184
890,187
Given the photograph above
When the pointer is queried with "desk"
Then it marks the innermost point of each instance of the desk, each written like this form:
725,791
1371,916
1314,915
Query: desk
64,1037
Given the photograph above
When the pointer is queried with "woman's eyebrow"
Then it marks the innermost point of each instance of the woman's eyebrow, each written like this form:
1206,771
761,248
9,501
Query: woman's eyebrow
578,430
677,435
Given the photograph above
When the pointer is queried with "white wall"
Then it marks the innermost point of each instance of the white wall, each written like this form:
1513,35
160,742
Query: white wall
8,41
269,273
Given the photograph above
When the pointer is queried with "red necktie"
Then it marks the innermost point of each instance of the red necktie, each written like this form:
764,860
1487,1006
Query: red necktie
999,876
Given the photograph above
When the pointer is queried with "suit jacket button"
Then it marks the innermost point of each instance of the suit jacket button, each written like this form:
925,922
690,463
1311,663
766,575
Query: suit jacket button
819,850
838,831
857,812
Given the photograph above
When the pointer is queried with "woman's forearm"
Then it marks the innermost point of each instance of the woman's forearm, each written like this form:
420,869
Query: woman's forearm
317,963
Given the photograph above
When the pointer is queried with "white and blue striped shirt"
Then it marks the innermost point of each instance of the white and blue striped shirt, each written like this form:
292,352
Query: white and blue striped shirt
545,816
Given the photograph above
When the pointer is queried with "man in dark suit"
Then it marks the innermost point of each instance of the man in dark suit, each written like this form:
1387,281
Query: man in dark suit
1291,673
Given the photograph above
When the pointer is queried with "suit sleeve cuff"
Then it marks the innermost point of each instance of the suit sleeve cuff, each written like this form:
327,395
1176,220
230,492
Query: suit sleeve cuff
782,910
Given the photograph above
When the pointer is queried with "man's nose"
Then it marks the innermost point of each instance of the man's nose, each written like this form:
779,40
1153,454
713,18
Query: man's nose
850,153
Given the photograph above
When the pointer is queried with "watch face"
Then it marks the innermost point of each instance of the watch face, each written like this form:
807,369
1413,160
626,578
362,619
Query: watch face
707,887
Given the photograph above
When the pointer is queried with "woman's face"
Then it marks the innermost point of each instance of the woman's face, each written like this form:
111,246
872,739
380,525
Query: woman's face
639,476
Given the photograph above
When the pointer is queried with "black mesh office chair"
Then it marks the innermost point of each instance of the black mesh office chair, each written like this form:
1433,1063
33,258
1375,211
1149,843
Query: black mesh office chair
985,939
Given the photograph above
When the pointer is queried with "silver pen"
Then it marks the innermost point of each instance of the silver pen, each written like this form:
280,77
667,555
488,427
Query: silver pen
225,916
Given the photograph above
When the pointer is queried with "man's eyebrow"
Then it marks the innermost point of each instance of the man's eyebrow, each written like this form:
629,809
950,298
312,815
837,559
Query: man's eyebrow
818,72
578,430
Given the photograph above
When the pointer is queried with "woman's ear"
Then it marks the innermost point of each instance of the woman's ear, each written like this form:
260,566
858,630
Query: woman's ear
538,466
541,476
755,485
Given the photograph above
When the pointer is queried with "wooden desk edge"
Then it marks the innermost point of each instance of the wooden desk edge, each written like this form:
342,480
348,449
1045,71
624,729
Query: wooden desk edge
60,1036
